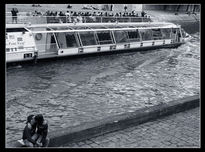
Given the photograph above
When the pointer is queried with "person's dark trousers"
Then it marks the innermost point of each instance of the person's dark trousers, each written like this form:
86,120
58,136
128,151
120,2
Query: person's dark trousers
45,142
14,18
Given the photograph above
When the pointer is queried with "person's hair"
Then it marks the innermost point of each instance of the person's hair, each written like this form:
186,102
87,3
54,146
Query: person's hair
29,118
39,118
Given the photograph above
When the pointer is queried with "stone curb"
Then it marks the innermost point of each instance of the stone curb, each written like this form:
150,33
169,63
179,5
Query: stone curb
119,122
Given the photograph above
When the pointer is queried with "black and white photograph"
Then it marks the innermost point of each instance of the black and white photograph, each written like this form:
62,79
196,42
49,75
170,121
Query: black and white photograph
102,75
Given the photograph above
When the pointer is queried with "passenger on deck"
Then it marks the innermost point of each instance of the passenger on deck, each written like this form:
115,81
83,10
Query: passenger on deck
111,7
67,13
47,13
136,15
75,14
94,14
61,13
143,14
178,36
125,8
69,6
101,14
79,19
14,12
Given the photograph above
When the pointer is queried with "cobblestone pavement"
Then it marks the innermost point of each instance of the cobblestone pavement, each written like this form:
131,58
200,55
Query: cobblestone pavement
178,130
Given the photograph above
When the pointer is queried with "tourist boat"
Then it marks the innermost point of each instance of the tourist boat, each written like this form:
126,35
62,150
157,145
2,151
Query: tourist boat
40,41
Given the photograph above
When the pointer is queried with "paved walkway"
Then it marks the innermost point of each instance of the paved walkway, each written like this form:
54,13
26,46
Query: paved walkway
178,130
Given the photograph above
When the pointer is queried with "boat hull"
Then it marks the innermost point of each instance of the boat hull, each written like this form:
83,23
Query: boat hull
108,52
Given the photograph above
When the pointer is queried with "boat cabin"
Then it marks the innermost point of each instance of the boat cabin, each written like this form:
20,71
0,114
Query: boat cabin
55,40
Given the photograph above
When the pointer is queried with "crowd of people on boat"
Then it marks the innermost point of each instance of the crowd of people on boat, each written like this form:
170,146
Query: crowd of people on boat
74,16
88,13
106,13
79,16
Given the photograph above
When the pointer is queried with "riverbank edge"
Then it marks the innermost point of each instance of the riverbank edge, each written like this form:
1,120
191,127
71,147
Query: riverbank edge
118,122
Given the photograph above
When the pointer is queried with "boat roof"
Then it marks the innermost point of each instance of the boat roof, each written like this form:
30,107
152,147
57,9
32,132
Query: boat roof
77,27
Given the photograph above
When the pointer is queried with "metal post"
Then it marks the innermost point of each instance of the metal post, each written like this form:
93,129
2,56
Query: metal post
35,57
78,39
57,44
66,19
140,35
112,35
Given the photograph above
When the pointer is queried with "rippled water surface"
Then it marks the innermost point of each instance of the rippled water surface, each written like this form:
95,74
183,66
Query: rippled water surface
72,91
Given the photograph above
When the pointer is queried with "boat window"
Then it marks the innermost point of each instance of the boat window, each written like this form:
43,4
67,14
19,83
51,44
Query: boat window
174,30
104,37
71,40
61,40
121,36
156,34
133,35
173,33
53,41
87,38
178,32
166,33
16,30
50,42
146,34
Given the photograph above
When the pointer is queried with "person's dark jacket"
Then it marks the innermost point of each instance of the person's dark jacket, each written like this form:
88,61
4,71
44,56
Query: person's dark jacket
43,130
28,132
14,12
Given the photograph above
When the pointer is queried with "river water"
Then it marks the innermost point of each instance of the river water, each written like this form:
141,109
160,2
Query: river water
69,92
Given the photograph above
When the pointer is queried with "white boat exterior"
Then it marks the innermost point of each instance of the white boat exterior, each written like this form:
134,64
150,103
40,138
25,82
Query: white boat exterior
31,42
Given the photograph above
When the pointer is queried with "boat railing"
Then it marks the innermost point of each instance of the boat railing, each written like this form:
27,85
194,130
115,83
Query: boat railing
71,19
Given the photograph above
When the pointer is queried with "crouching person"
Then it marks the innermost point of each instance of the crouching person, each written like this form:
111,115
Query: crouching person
29,135
42,131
